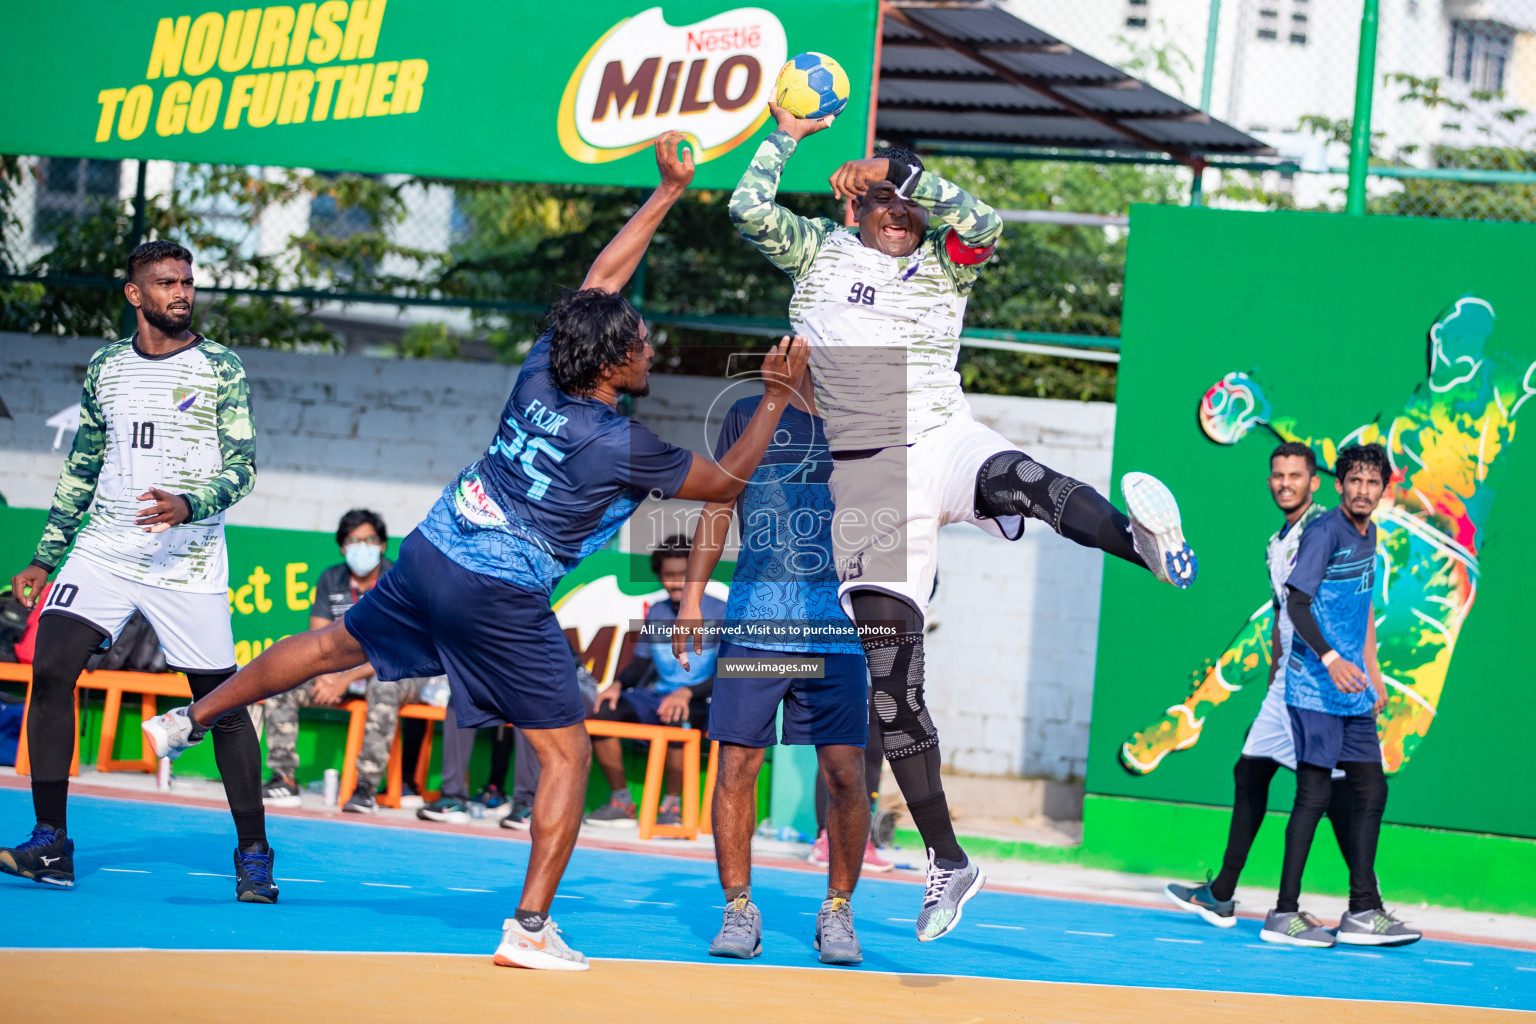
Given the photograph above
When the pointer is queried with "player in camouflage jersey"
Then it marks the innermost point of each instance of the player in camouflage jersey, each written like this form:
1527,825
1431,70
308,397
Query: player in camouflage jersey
164,446
883,306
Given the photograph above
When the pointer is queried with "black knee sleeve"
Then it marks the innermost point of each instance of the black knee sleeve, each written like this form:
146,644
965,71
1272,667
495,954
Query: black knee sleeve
896,674
1013,484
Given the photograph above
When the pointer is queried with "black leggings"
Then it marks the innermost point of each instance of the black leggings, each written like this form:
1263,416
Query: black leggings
63,646
1250,798
1367,785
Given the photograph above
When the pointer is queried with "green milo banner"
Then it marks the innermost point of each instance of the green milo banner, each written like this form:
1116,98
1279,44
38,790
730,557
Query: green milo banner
1244,329
469,89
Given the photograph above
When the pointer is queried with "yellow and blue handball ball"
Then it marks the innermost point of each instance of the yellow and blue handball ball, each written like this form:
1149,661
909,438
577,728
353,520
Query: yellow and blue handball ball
812,86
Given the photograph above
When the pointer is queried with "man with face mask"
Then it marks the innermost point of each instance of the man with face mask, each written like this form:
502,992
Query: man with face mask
882,306
165,446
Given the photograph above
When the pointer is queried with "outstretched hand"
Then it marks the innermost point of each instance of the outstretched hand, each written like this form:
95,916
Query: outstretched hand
797,128
674,160
784,369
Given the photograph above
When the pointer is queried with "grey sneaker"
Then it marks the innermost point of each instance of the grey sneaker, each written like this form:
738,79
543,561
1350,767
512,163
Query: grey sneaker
669,814
362,801
1198,898
1375,928
1156,529
741,934
543,950
947,892
173,733
835,939
1298,929
614,812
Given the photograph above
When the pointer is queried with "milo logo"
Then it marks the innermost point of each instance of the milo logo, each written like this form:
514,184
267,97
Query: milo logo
711,80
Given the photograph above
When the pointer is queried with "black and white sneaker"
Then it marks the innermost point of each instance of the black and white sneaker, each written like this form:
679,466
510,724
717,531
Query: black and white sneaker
362,800
48,856
281,792
520,817
450,809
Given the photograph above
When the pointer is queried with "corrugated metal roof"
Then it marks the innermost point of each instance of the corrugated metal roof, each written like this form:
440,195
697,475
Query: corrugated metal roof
968,70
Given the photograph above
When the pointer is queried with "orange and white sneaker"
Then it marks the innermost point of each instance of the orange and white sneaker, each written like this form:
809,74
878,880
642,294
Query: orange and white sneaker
872,859
543,950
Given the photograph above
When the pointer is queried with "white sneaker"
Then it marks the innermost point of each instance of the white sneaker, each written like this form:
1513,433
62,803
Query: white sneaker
173,733
1156,529
543,950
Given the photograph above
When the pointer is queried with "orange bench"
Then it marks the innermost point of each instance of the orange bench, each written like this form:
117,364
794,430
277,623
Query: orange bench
148,685
655,766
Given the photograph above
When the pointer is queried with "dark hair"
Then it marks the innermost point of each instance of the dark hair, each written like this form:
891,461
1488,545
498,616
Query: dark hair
1295,449
675,546
357,517
1354,455
590,331
148,254
900,154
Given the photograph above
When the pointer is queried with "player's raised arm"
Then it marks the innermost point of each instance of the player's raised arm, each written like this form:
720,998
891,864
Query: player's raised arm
73,494
788,240
617,262
722,481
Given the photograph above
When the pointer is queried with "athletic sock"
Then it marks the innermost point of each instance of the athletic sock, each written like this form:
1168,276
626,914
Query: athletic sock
737,892
931,816
531,920
846,895
250,828
50,802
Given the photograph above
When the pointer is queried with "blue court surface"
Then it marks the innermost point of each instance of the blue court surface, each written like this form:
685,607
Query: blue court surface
158,876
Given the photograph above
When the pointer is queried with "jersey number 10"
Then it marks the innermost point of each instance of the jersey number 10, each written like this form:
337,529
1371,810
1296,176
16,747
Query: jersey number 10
143,435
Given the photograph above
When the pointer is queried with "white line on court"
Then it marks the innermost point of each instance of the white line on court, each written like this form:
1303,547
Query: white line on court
651,903
563,896
1187,942
126,871
205,874
1003,927
1525,968
386,885
1449,963
1358,952
317,881
454,888
903,920
1098,935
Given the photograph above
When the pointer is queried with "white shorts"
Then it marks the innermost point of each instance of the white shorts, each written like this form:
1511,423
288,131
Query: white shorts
1270,734
193,628
890,505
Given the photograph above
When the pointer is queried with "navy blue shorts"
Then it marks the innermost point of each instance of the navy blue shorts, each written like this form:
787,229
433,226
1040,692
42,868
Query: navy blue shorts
817,712
503,651
643,706
1324,740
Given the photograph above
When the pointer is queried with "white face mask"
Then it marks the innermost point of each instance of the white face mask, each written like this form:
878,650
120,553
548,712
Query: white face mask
363,558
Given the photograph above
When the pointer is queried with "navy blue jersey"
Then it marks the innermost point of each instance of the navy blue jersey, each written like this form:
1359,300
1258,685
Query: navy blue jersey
784,591
559,479
1336,565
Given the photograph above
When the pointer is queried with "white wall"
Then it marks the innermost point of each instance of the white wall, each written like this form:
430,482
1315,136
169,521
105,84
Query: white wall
1010,662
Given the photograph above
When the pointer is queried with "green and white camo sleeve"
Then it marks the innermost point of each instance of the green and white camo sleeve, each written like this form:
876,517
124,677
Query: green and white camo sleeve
77,481
237,440
977,225
789,241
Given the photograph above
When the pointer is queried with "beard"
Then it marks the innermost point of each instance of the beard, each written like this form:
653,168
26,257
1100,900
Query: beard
165,320
637,392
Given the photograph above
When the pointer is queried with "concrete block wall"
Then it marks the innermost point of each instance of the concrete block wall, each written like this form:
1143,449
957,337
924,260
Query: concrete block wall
1010,658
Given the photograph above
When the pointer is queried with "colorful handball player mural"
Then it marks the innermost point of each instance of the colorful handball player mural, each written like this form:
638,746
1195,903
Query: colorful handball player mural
1446,446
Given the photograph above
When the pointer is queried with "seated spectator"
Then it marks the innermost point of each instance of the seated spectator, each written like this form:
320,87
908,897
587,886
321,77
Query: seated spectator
655,689
361,535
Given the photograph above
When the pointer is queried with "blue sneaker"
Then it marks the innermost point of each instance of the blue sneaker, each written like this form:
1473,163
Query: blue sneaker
48,855
492,798
253,876
1198,898
1157,531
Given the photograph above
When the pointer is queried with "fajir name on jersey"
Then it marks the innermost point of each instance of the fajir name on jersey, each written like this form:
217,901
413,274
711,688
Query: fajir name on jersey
545,418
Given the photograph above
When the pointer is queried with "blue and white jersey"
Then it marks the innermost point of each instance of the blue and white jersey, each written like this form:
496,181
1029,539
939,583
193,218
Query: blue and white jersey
784,592
670,673
1280,557
1337,566
559,479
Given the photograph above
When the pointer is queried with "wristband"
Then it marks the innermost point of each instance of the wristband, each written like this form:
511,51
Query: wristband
903,175
1329,658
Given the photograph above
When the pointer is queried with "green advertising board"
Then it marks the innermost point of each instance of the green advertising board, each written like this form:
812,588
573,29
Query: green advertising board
1417,333
470,89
